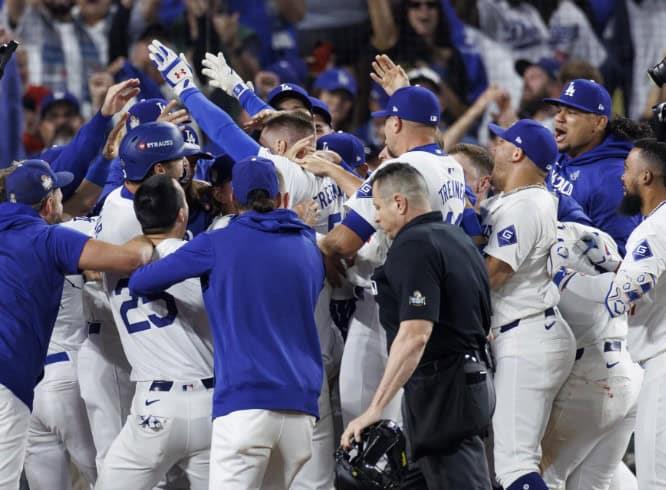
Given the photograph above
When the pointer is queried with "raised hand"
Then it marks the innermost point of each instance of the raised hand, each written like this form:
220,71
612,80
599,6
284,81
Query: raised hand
222,75
175,69
388,75
110,150
176,117
118,95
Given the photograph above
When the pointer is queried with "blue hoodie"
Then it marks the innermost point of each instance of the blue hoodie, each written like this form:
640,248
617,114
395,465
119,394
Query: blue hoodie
34,260
261,277
593,179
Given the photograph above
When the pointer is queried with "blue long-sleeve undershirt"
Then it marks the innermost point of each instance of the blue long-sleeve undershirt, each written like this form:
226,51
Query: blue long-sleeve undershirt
251,103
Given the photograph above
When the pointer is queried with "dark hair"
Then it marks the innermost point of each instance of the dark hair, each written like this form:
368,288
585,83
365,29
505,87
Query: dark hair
258,200
157,203
654,152
628,129
576,68
479,156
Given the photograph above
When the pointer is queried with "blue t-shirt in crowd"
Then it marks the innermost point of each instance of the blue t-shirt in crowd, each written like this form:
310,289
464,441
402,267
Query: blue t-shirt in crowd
261,277
35,258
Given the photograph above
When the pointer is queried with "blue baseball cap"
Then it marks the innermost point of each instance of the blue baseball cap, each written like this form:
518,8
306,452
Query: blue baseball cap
416,104
190,136
144,111
219,172
288,90
533,138
586,96
550,65
57,98
348,146
290,70
320,107
33,180
151,143
251,174
378,94
336,79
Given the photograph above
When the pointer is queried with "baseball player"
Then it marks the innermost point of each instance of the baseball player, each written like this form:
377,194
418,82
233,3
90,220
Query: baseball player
594,413
412,116
533,346
59,428
167,341
638,288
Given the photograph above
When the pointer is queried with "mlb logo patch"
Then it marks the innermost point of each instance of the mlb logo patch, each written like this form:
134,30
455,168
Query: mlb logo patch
642,251
507,236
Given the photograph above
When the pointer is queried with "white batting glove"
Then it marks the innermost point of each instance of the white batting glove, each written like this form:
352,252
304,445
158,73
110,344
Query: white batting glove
174,68
593,247
222,75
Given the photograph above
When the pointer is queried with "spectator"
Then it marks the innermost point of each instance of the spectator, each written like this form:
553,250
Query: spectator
60,118
95,17
419,33
61,53
540,80
572,36
337,89
574,69
32,100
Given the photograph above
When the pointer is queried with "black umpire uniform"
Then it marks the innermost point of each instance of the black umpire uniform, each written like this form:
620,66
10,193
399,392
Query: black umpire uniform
434,272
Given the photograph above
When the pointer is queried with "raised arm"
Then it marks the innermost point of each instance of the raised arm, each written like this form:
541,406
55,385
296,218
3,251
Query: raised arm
384,29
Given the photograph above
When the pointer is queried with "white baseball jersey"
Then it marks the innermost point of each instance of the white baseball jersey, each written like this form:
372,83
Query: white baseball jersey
164,336
521,228
70,331
572,36
646,254
303,186
589,320
444,178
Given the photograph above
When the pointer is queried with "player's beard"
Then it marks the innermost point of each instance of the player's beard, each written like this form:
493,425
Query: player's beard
631,204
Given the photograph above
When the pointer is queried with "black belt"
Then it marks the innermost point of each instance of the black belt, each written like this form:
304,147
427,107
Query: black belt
57,357
161,385
94,327
609,346
514,324
432,367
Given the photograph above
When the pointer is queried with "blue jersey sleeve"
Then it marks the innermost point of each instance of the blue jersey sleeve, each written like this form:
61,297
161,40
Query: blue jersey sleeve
65,246
219,126
194,259
358,224
568,209
77,155
251,103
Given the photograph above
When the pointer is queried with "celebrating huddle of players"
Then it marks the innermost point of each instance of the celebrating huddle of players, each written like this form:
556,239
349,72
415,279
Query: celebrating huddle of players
577,292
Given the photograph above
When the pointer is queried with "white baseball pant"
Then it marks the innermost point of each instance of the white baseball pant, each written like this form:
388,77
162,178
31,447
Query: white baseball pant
363,363
592,419
164,429
106,389
14,423
259,449
623,479
533,360
650,436
59,428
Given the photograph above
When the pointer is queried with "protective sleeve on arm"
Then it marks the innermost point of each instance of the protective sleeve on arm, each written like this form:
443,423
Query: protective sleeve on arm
251,103
81,151
194,259
219,126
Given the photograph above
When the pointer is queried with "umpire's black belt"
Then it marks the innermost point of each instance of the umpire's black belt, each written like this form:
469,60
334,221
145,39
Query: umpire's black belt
515,323
161,385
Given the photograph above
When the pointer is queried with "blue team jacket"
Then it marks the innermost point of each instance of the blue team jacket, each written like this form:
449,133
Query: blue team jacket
34,259
593,180
261,277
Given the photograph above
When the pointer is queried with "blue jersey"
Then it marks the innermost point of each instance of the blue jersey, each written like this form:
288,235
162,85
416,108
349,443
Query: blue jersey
34,261
261,277
593,180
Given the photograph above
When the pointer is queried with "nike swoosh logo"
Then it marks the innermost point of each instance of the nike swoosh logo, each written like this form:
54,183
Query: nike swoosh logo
550,325
151,402
612,364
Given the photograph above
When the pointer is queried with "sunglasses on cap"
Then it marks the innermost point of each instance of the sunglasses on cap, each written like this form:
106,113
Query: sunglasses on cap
416,4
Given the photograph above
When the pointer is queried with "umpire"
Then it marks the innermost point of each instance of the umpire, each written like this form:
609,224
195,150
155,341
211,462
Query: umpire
434,302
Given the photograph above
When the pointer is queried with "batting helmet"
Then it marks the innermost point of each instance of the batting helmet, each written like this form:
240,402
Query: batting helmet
151,143
378,461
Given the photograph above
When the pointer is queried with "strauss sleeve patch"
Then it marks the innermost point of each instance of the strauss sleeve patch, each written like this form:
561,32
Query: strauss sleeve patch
642,251
507,236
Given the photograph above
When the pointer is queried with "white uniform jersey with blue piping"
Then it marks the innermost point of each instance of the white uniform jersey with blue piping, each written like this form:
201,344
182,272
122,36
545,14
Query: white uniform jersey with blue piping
303,186
70,329
646,254
446,189
521,228
164,336
589,320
